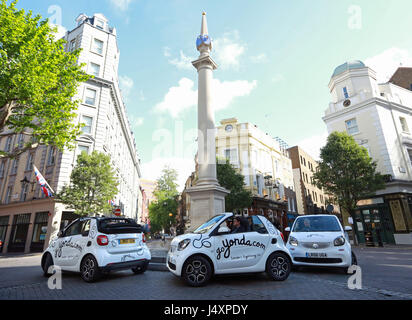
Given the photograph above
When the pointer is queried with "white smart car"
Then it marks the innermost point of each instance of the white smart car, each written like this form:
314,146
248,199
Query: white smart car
213,249
94,246
320,240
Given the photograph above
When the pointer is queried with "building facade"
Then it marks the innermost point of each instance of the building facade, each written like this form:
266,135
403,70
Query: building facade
378,116
265,164
27,219
309,198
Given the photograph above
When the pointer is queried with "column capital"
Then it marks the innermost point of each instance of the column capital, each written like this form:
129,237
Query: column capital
205,61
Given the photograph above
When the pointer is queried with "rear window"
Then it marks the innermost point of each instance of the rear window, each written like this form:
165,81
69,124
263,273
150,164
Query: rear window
118,226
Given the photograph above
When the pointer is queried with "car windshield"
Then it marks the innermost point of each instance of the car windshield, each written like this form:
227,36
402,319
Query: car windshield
317,224
209,224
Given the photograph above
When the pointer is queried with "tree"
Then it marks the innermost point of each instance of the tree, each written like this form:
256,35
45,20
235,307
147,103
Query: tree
38,80
238,198
162,212
92,185
346,171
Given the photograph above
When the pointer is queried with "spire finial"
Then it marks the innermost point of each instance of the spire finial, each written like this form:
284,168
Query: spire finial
203,42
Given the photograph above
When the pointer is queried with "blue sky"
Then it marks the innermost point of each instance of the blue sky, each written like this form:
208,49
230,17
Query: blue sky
276,58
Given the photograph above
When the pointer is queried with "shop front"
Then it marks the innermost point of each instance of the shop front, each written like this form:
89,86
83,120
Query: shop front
271,209
384,220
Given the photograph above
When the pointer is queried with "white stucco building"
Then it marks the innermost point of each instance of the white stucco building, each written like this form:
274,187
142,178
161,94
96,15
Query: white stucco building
27,218
378,116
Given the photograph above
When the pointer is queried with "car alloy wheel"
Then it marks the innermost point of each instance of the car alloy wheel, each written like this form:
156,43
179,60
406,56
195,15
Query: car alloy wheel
89,269
278,266
197,271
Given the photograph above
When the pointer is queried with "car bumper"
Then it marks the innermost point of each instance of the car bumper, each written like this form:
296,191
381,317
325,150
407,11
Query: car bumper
106,258
335,257
125,265
174,262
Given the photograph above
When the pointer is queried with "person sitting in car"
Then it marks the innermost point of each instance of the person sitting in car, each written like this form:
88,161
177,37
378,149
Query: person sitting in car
239,225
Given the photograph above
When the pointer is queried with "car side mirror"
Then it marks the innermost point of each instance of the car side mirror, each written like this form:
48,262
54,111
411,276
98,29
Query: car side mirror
60,234
347,228
223,230
287,229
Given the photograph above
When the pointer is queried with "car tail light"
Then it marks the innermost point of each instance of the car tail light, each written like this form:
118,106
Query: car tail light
143,238
102,240
283,237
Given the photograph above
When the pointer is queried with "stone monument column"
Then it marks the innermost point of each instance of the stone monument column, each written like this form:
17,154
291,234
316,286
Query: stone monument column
207,197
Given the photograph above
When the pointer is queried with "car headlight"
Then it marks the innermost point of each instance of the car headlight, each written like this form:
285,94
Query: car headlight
339,241
183,244
293,241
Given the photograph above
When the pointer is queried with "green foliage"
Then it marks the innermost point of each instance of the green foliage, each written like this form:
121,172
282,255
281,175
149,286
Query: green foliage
92,184
38,80
166,201
346,171
238,198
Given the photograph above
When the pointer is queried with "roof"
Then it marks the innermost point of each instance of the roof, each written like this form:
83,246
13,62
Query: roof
349,65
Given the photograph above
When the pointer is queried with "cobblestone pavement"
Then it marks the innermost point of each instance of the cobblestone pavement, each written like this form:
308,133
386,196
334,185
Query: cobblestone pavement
386,275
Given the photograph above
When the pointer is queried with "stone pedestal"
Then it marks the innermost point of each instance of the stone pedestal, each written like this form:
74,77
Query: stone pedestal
205,202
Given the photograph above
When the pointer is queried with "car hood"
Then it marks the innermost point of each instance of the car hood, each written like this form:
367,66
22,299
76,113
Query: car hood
316,236
197,239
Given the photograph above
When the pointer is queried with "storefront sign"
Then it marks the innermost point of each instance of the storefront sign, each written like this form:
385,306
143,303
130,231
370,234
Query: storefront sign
367,202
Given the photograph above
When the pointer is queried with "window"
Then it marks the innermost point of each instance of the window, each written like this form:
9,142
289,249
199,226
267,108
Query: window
15,166
72,46
29,164
352,126
81,149
87,121
74,229
97,46
90,97
20,140
8,144
345,93
24,191
8,194
257,225
404,124
410,155
2,165
231,155
100,24
94,69
51,158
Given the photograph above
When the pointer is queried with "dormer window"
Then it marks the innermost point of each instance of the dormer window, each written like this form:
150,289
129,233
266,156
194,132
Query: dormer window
100,24
345,93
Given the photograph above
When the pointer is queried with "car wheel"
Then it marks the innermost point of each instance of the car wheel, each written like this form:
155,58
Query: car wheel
278,266
47,263
197,271
140,269
89,269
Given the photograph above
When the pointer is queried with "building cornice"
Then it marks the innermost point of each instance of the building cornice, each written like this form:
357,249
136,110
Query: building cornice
367,103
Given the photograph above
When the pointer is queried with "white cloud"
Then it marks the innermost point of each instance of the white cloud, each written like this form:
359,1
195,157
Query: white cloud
122,5
61,31
183,62
313,144
178,98
126,85
184,167
184,96
386,63
259,58
278,78
228,50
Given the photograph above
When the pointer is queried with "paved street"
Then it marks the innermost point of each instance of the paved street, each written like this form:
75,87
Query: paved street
386,275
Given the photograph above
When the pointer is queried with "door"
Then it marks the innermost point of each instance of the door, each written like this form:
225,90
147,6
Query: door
240,250
68,248
19,231
39,231
4,223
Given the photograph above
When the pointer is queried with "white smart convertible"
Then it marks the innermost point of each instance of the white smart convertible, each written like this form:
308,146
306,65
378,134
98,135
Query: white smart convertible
214,249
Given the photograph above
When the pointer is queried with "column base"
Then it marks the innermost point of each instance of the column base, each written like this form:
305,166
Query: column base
206,201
